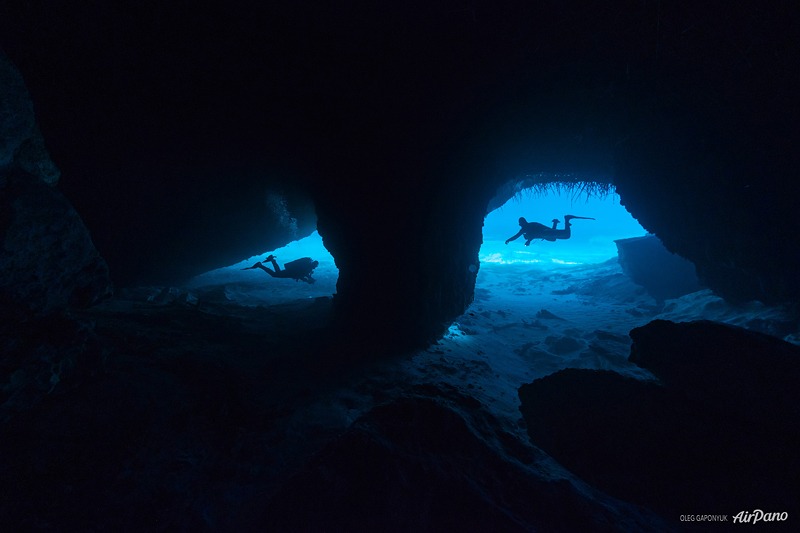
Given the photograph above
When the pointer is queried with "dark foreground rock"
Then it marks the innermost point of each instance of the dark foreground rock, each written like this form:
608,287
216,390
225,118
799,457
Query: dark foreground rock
420,463
45,358
716,434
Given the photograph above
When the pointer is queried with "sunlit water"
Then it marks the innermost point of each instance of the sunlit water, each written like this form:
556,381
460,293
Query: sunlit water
592,241
255,287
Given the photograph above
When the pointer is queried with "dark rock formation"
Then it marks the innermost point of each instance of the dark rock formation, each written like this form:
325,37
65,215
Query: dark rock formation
718,432
48,264
47,261
21,142
420,464
399,271
33,158
663,274
17,124
44,358
696,170
47,258
725,369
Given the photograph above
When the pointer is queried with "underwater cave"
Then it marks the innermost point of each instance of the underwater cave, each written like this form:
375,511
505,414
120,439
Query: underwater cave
432,377
590,242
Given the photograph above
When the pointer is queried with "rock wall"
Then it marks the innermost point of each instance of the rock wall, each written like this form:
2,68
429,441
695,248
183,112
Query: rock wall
664,275
47,259
407,259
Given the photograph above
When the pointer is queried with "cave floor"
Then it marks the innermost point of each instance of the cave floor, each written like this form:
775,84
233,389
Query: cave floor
211,405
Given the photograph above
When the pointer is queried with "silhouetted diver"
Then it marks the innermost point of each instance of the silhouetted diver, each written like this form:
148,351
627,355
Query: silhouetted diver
534,230
298,270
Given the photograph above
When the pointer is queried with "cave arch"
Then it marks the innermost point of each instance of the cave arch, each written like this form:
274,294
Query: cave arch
241,284
544,199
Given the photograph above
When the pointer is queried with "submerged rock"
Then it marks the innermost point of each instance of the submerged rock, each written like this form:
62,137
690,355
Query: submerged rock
418,464
43,358
718,431
649,264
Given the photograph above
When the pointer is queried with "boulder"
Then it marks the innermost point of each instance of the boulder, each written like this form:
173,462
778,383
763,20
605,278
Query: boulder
717,431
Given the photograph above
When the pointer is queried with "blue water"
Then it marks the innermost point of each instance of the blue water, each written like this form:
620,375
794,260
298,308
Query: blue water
592,241
256,285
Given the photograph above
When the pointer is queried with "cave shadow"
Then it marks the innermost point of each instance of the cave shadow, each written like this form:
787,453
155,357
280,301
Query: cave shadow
204,399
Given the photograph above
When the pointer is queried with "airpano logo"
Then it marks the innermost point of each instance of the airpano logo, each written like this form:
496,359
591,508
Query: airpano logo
752,517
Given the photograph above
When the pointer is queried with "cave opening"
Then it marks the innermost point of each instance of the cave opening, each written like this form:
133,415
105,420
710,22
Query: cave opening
572,303
551,305
591,241
281,259
610,276
241,284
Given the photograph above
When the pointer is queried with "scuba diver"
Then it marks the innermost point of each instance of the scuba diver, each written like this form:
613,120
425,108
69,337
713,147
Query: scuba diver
298,270
534,230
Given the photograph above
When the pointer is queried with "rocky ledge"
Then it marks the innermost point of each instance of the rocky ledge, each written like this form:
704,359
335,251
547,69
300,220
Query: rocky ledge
716,432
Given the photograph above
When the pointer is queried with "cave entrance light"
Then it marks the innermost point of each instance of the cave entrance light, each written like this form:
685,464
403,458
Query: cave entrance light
592,241
255,287
531,316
